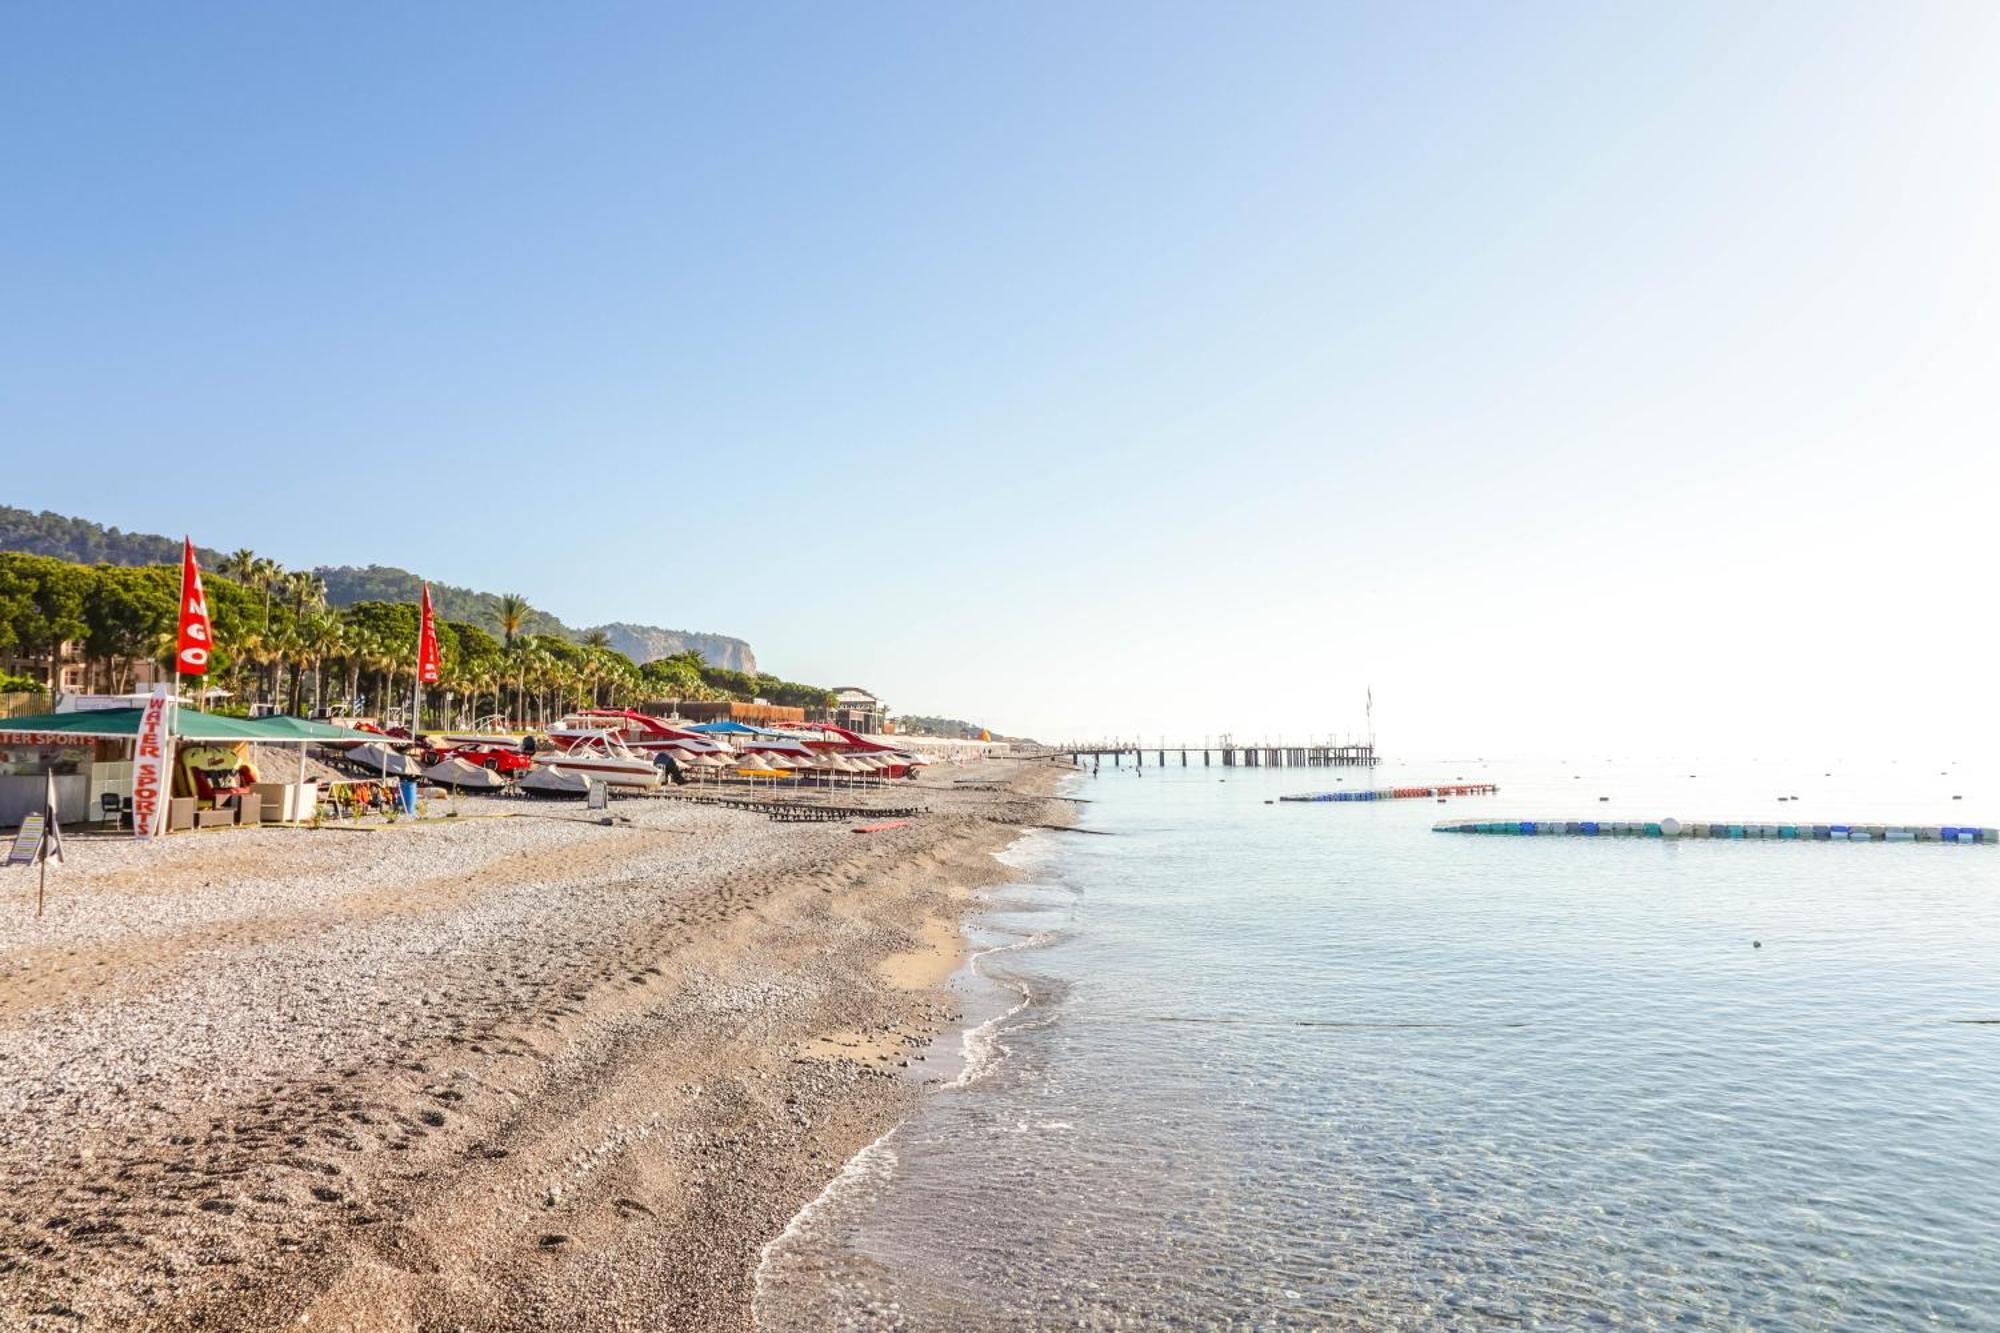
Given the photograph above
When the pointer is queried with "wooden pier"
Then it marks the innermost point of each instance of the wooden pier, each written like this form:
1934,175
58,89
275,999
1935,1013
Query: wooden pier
1224,753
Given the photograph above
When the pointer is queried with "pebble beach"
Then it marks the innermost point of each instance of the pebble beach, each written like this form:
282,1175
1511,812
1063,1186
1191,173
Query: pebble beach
518,1069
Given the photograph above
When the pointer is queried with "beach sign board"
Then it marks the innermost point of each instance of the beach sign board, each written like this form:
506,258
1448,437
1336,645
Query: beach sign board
152,761
27,842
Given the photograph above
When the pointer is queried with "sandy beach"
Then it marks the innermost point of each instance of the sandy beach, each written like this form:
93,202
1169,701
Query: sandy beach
518,1070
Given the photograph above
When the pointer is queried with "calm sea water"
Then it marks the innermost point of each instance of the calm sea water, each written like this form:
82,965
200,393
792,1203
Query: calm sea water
1261,1066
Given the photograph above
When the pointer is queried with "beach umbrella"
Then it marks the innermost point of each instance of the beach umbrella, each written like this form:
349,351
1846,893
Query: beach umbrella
754,765
773,767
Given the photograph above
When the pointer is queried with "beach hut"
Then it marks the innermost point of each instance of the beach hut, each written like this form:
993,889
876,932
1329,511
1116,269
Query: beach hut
91,755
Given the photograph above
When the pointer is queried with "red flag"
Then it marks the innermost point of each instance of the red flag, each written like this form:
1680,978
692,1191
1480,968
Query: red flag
195,641
427,644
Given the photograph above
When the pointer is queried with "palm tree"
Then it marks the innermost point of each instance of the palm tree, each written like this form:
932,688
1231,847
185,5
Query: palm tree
264,576
381,662
357,652
479,681
459,681
251,657
306,591
596,638
240,565
545,670
289,651
320,638
512,612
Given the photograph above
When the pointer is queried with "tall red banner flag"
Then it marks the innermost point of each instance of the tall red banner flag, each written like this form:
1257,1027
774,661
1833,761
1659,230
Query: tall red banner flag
196,640
427,644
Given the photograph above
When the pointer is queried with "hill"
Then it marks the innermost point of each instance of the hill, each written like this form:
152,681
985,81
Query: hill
953,728
88,543
650,643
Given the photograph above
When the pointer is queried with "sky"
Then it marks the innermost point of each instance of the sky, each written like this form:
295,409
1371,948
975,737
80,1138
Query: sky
1615,378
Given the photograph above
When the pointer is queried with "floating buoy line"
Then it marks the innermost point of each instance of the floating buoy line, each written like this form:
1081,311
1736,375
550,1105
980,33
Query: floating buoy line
1398,793
1674,828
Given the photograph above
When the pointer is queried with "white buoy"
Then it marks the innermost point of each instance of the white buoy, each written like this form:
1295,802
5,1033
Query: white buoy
1670,828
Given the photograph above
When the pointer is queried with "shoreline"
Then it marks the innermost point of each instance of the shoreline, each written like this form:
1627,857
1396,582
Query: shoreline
977,1043
510,1074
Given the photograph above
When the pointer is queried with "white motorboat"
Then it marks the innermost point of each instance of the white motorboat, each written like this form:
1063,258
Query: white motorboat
643,735
602,756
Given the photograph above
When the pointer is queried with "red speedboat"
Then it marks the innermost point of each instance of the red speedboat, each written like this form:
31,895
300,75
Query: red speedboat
494,758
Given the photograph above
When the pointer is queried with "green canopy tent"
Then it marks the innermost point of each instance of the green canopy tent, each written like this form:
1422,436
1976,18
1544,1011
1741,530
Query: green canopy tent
282,730
188,726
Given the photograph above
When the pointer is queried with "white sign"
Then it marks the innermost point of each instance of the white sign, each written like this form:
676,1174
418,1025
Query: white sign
27,842
152,767
99,703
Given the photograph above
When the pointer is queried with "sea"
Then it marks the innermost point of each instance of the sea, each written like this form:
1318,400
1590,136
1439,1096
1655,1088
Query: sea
1236,1063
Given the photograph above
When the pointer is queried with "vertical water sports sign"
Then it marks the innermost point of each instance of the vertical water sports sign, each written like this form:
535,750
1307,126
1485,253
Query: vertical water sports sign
152,762
196,640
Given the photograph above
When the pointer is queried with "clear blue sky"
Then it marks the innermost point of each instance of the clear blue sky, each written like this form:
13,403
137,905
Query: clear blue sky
1077,368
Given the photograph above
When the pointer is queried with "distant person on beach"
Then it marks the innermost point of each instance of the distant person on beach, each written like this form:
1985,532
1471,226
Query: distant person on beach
528,744
671,767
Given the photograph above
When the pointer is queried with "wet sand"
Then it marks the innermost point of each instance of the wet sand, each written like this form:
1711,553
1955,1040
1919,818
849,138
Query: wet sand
499,1073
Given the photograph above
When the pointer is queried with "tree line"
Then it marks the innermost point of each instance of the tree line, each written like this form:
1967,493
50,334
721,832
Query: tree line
83,542
277,641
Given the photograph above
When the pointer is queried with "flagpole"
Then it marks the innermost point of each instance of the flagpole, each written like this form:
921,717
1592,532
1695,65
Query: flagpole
180,615
51,836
